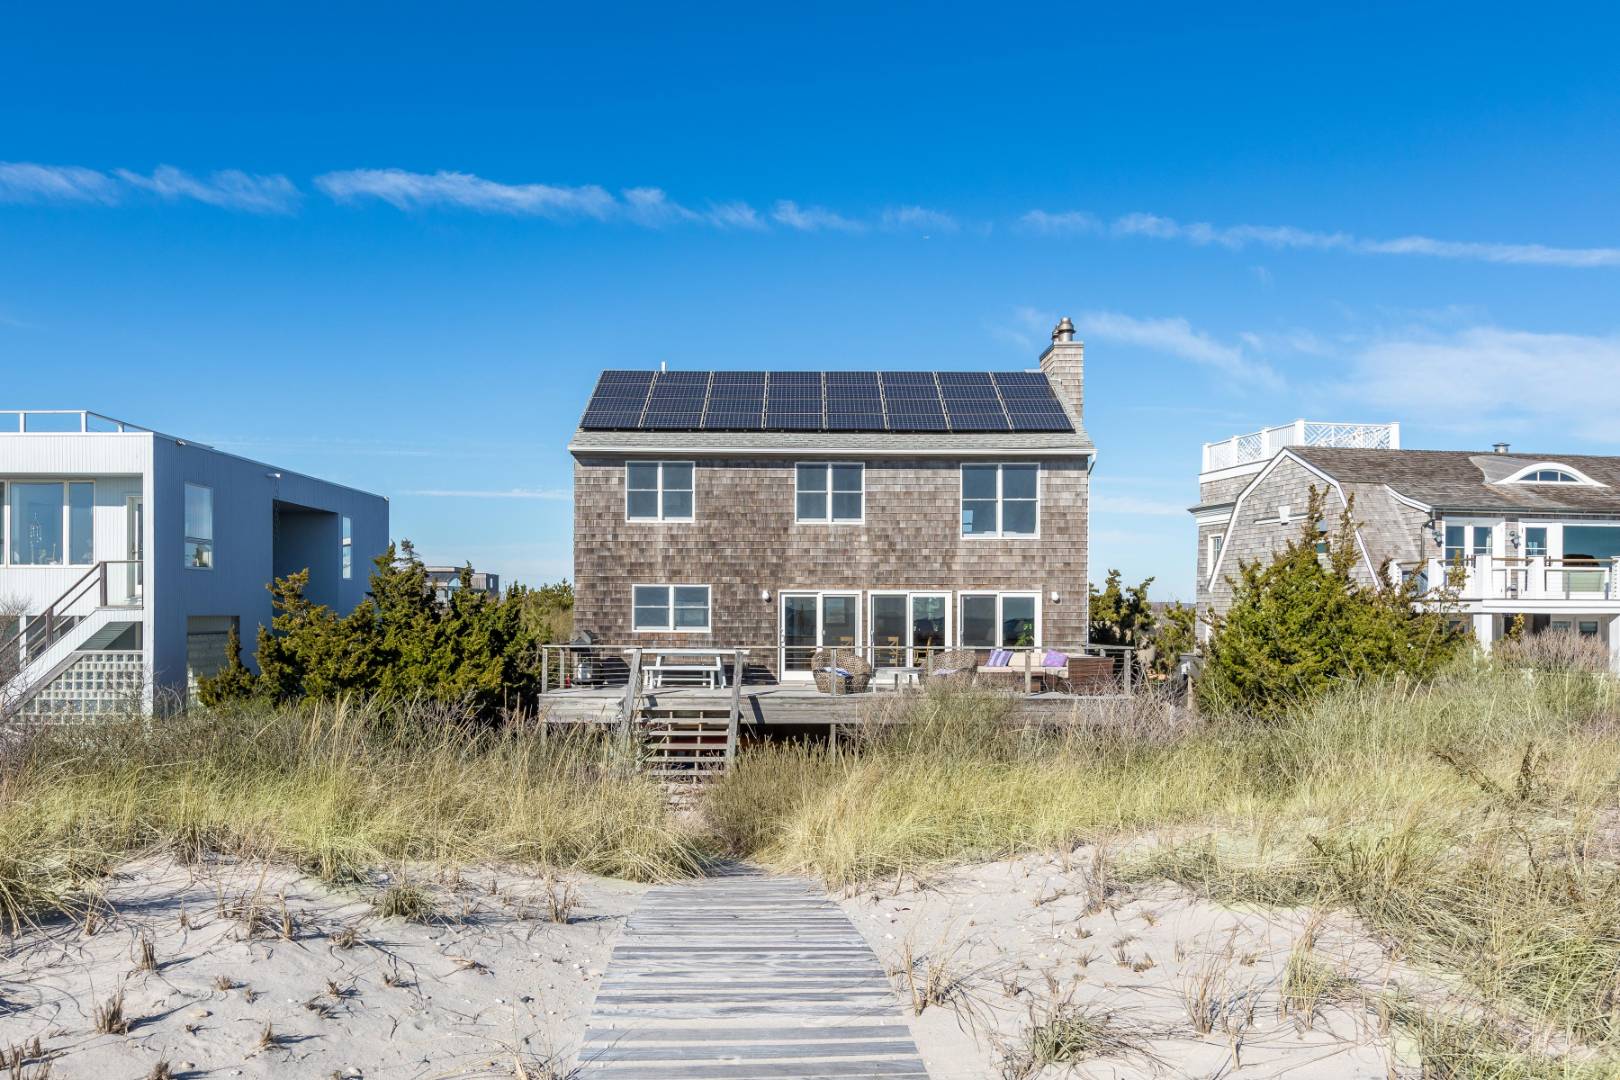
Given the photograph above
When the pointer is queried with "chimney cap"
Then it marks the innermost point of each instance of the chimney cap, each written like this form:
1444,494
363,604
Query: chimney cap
1064,330
1499,448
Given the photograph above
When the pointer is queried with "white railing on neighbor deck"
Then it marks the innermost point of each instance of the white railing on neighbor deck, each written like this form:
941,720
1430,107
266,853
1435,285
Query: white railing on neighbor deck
1487,577
1262,445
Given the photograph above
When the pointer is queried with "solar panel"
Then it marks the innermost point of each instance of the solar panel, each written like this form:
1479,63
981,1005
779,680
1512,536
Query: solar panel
1031,404
971,401
897,401
854,402
911,401
617,401
676,402
736,401
793,401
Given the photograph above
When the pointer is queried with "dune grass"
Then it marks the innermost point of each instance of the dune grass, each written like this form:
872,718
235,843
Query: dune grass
341,789
1474,821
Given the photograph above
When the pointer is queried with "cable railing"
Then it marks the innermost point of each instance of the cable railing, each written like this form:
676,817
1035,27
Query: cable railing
1531,577
844,668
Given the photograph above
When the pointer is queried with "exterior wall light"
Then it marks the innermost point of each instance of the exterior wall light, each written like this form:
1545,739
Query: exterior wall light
1054,597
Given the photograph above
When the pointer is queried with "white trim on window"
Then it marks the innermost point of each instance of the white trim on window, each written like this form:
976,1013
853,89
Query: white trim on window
1000,617
1001,500
68,532
1524,475
199,549
1212,545
346,546
829,492
671,601
660,491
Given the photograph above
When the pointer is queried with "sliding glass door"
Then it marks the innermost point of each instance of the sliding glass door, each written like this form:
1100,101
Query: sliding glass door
906,627
814,620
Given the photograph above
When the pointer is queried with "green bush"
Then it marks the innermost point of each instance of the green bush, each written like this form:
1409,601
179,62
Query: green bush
1302,624
475,651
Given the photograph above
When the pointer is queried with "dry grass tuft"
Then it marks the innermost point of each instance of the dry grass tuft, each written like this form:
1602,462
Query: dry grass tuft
109,1016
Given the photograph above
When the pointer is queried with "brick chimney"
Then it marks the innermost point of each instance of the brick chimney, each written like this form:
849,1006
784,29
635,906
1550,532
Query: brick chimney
1064,363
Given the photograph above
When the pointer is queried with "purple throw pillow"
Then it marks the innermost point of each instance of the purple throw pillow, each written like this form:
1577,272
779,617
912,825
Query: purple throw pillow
1053,658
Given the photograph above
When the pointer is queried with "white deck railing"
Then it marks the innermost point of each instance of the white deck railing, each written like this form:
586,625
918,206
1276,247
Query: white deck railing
1487,577
1262,445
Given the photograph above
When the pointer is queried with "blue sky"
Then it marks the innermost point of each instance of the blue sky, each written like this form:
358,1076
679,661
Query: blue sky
393,246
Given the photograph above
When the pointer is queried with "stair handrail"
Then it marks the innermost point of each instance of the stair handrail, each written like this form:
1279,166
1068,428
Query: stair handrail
55,611
734,720
632,690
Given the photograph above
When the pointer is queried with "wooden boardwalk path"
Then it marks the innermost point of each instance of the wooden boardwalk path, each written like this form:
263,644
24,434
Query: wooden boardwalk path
745,977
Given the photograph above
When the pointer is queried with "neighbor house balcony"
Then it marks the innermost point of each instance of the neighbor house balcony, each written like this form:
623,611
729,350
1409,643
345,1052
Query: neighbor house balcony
62,422
1263,445
1533,579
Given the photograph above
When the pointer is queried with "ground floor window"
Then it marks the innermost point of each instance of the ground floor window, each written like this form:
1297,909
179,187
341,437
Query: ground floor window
681,608
999,620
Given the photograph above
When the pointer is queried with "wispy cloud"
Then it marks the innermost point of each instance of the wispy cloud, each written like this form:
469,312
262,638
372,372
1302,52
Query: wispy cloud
812,218
919,218
548,494
1291,237
1066,222
1175,336
415,191
229,189
650,207
26,182
1541,387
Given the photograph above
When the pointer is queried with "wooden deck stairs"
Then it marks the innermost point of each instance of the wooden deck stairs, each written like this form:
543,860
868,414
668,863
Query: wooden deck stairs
682,745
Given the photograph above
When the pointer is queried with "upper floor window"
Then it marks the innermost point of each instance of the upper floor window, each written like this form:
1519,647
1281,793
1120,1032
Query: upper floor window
347,553
830,492
1535,541
683,608
1463,541
1551,472
51,523
199,527
1000,500
658,490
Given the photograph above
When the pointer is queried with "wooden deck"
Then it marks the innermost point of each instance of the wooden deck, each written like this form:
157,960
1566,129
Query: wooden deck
771,704
745,977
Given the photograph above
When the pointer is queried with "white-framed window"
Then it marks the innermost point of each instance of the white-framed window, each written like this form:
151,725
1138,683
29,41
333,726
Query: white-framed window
1213,552
681,609
658,490
1001,500
1551,472
347,549
48,522
996,620
1463,542
830,492
199,527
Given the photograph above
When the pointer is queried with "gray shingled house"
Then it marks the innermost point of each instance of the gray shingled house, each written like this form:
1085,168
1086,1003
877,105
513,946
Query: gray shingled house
894,512
1536,535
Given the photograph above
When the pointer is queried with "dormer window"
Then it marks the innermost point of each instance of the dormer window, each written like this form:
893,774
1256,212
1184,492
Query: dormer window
1550,472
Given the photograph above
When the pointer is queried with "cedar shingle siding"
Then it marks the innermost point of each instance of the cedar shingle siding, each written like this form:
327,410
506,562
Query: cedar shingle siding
744,539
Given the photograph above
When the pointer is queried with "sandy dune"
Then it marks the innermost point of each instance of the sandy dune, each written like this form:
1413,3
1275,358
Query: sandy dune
1024,933
486,983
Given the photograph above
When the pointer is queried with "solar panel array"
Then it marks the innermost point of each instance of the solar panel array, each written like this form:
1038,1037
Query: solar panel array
897,401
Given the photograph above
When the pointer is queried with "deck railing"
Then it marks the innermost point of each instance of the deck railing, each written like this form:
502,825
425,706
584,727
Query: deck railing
1535,577
633,667
1262,445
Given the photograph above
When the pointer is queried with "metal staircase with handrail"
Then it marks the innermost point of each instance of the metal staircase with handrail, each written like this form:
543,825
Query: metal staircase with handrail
46,645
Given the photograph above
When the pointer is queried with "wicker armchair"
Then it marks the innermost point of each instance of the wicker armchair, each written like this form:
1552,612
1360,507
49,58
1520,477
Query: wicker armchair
824,666
956,665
